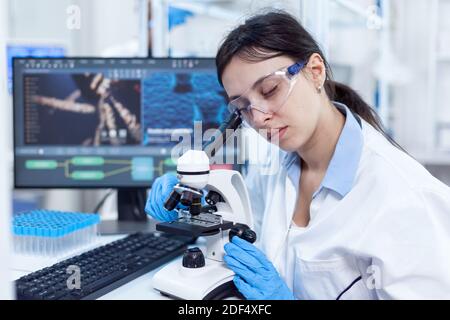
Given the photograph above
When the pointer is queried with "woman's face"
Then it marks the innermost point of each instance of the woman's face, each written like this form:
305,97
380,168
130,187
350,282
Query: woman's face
296,120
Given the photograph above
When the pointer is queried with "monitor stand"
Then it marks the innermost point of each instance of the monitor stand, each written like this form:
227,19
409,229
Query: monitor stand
131,214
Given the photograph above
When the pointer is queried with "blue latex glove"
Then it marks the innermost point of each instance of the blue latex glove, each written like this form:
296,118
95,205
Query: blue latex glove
256,277
161,189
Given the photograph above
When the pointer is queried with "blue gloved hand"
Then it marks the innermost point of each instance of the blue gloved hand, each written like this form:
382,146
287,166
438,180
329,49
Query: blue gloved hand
161,189
256,277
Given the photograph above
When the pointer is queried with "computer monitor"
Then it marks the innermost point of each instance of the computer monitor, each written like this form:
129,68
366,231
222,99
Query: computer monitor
31,48
107,123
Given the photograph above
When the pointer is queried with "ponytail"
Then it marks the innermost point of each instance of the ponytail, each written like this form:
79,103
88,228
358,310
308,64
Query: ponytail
344,94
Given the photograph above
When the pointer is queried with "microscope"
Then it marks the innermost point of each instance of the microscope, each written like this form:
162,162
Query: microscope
226,212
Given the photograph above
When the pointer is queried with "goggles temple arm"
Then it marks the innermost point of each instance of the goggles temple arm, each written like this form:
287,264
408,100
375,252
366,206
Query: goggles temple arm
295,68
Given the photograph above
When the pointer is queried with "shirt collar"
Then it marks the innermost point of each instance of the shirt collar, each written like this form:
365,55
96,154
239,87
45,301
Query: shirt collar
342,169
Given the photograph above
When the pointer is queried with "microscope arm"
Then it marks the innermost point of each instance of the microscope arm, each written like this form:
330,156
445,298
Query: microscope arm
231,186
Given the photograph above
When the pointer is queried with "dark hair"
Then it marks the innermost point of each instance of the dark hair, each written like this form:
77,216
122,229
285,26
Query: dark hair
277,33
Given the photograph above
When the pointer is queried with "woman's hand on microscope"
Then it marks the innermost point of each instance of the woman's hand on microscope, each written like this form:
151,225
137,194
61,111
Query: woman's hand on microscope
161,189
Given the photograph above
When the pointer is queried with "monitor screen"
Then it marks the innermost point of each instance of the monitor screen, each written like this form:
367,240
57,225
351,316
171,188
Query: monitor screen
108,122
30,50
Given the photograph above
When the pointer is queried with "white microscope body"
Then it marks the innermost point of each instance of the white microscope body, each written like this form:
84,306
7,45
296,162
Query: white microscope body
214,279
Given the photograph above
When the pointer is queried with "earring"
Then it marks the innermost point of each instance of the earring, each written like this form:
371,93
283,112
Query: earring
319,89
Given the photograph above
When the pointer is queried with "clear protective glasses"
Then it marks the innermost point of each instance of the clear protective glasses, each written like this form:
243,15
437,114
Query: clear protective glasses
266,95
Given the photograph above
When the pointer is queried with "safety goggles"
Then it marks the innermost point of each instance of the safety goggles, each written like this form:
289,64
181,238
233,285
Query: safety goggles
266,95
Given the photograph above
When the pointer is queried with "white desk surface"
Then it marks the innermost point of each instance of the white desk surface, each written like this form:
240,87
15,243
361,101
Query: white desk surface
137,289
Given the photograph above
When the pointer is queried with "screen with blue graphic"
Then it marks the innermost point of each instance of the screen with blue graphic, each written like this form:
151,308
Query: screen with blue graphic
194,97
108,122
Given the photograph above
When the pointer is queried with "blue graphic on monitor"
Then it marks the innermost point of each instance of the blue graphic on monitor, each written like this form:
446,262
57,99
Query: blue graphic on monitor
173,101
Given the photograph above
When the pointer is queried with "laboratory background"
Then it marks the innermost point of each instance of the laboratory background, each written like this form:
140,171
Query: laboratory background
395,53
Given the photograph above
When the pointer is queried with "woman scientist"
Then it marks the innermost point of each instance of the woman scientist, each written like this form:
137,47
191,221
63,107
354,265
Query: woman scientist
349,215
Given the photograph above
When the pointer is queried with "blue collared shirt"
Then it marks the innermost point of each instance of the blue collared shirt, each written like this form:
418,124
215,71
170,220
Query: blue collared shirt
342,169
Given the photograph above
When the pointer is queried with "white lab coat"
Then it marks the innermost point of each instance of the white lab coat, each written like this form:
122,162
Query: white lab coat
388,238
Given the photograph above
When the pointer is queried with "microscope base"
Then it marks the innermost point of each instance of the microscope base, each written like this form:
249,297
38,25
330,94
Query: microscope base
213,281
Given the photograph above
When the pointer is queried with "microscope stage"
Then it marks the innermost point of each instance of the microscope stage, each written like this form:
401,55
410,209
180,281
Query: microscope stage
204,223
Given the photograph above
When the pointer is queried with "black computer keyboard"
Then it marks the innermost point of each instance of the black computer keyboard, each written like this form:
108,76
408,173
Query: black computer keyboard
102,269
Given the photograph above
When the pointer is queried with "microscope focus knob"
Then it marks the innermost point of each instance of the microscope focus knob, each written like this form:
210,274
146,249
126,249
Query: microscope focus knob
243,231
249,235
193,258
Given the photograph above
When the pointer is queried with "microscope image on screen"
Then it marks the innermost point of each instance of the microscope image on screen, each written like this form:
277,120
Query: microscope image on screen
57,106
195,96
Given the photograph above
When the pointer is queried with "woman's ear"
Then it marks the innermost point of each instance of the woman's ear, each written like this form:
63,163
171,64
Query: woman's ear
317,70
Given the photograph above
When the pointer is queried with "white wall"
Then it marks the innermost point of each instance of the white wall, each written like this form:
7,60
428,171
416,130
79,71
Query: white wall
43,20
108,25
412,116
104,23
